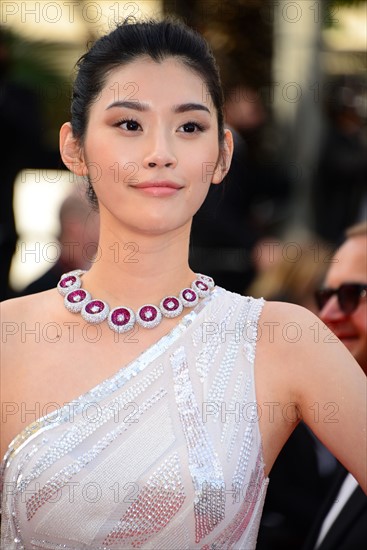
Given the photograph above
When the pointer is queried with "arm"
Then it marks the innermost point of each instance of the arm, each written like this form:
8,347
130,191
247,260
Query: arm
311,368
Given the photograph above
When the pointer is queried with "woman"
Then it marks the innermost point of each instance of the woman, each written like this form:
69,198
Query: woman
171,448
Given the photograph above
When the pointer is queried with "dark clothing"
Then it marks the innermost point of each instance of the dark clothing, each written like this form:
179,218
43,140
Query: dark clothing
230,221
295,493
349,530
47,281
20,140
340,186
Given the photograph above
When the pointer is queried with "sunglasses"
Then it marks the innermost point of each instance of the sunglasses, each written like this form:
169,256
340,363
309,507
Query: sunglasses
349,296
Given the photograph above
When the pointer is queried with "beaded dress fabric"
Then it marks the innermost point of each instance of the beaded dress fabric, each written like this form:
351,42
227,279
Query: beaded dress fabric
166,454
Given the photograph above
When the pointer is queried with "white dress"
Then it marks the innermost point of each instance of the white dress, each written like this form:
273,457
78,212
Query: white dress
166,454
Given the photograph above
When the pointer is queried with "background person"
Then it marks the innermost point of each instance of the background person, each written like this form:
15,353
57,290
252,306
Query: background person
342,523
291,272
340,181
78,238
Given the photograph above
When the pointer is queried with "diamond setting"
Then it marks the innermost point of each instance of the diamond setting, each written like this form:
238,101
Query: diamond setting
201,287
148,316
121,319
68,283
76,299
95,311
189,297
171,307
208,280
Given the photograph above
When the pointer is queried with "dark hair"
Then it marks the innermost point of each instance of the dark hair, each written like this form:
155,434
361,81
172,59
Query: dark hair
129,41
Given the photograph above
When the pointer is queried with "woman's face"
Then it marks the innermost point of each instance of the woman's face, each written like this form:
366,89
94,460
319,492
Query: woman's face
151,147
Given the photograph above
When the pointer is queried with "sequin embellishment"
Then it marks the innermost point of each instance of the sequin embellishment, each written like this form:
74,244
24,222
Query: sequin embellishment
211,335
59,480
184,467
248,516
204,465
232,341
158,501
86,426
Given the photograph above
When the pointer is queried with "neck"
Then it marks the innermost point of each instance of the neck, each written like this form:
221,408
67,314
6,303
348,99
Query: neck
133,269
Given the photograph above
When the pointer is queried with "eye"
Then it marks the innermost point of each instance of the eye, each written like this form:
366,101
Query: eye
129,124
191,128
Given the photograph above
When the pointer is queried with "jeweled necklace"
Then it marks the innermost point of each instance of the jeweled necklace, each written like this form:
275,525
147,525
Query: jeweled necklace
122,318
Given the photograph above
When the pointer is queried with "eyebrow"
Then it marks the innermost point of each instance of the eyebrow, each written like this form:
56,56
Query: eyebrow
184,107
142,107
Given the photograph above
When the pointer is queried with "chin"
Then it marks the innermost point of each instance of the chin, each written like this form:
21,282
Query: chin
158,225
156,228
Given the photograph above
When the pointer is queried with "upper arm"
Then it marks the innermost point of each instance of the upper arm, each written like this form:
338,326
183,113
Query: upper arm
326,384
333,399
13,378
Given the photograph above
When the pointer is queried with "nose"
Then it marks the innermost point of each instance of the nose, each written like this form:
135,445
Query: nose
159,151
331,311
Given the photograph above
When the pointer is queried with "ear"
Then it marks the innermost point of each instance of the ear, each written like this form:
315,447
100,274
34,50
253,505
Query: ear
225,157
71,151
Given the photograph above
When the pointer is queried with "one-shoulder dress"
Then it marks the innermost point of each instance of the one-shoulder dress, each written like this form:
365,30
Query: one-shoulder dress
165,454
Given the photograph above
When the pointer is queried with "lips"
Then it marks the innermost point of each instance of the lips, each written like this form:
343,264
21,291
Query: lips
158,188
149,184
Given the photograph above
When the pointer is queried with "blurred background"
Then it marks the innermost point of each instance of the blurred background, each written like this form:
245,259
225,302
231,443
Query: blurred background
294,75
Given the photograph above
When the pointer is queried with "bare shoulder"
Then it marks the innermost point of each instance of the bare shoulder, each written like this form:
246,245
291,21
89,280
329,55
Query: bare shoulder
26,347
22,321
287,329
18,314
26,306
305,368
284,312
11,308
301,348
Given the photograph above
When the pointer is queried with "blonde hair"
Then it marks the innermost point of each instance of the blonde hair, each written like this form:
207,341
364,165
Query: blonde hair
357,230
294,281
